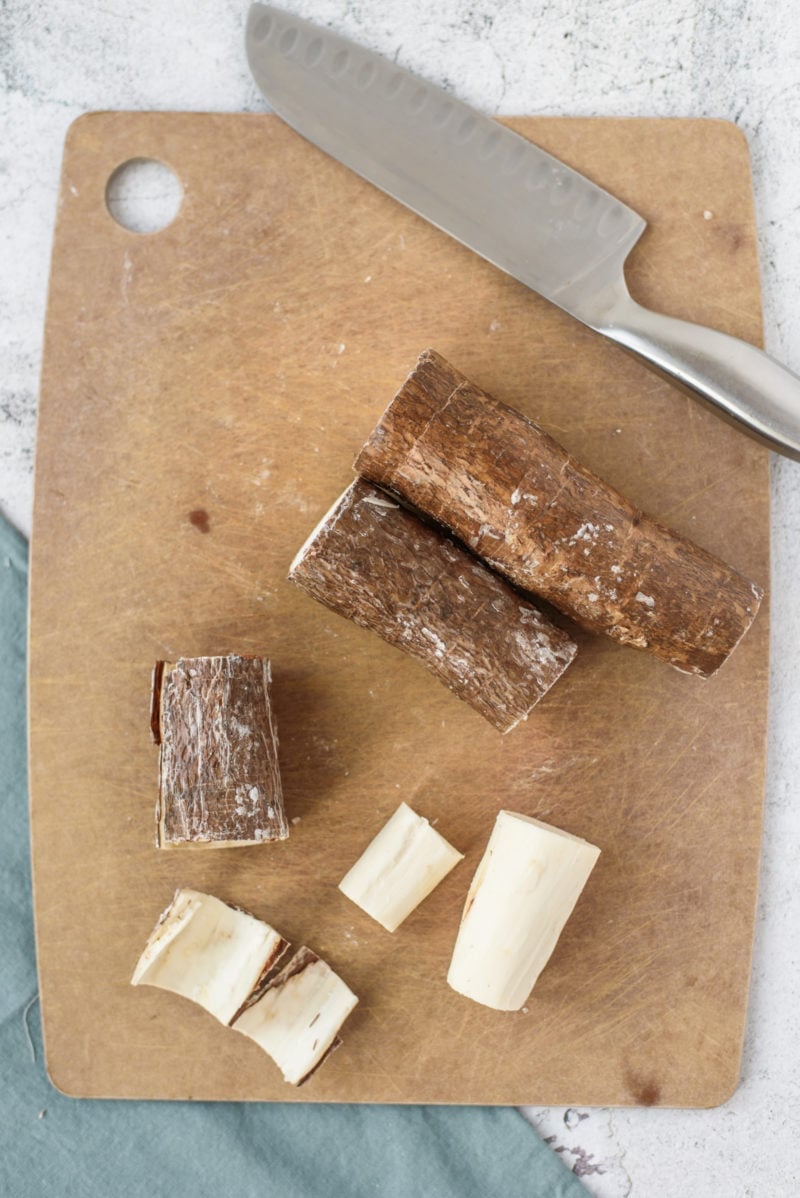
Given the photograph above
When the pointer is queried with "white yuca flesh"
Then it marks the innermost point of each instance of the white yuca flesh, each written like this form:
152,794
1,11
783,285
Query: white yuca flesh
523,893
399,868
297,1018
209,952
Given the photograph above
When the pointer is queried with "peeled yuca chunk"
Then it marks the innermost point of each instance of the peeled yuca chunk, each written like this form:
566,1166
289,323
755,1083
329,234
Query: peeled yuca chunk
522,894
399,868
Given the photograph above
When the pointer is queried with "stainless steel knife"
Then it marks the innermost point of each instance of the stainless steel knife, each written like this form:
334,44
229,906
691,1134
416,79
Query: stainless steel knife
529,214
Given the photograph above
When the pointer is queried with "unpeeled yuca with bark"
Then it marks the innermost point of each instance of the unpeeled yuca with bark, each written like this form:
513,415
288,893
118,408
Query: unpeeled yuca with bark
219,783
375,562
222,957
522,894
531,511
399,868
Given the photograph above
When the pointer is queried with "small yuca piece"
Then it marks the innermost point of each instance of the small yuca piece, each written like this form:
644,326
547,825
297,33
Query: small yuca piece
219,783
399,868
297,1017
523,893
210,952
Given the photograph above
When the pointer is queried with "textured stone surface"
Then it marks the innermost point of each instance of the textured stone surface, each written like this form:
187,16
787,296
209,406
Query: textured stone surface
730,59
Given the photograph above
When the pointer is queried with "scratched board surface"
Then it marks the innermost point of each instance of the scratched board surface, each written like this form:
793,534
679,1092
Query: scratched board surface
204,392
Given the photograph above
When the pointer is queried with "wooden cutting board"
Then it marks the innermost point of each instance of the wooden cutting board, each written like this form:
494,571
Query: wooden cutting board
204,392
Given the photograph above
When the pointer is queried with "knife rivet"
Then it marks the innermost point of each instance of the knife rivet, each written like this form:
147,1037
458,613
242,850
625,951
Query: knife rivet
339,63
287,40
261,29
314,52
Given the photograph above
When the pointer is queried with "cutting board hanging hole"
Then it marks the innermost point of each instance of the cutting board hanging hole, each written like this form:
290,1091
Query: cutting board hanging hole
143,195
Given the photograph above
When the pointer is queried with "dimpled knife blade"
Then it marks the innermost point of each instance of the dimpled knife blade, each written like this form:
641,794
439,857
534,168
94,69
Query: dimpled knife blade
515,205
499,194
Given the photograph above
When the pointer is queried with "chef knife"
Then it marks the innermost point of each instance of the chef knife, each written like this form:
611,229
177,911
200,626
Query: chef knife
523,210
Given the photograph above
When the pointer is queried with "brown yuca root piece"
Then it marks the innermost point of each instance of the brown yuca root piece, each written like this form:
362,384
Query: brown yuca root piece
297,1017
376,563
210,952
525,506
219,782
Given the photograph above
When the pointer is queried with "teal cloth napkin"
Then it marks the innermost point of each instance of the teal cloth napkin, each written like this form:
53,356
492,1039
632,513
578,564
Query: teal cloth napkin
58,1147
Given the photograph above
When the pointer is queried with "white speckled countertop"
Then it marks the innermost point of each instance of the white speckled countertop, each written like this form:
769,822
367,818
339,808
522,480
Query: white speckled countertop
737,59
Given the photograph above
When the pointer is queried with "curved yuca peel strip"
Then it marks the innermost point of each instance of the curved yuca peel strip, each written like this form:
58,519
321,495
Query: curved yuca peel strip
399,868
523,893
209,952
297,1018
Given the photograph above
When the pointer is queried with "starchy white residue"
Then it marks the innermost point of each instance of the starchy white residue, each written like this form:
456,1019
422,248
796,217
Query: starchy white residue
486,530
647,600
379,501
436,641
586,532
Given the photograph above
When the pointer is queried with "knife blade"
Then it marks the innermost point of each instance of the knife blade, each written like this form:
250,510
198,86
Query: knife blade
514,204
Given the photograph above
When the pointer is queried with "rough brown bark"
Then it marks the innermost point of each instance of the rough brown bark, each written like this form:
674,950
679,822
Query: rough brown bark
525,506
385,569
219,782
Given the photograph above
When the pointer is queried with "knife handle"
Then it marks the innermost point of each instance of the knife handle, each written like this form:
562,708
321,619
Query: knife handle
743,383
